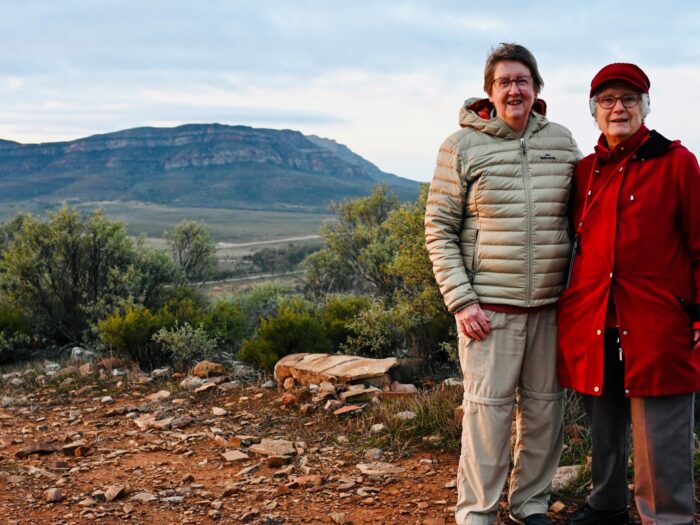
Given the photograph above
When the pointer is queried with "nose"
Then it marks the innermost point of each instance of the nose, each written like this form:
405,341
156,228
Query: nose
619,106
513,89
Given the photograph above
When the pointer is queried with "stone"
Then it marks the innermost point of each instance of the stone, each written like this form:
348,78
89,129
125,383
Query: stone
339,518
377,428
401,388
162,373
218,411
288,383
277,461
564,476
453,381
82,354
358,393
107,400
289,399
191,383
451,484
373,454
273,447
332,404
205,388
205,369
53,495
78,449
269,385
114,491
348,409
143,497
557,507
145,421
379,468
406,415
317,368
163,424
158,396
41,449
181,422
233,456
67,371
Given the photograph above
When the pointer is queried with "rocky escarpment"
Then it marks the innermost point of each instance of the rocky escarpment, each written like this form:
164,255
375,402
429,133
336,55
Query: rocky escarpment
205,165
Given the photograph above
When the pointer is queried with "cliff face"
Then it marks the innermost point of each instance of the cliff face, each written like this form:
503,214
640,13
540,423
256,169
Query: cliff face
205,165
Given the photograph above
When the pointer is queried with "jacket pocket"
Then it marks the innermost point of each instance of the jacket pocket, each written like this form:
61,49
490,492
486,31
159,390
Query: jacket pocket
475,252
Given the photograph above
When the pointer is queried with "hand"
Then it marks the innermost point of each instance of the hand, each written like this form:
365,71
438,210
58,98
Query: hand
472,322
696,339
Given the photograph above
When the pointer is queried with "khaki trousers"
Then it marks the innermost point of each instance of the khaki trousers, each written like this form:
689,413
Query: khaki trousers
514,366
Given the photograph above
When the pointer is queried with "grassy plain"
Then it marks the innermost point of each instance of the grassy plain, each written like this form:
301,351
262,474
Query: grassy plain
234,226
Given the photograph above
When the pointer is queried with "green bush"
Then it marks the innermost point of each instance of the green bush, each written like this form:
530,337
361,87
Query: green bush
185,344
227,322
337,315
294,329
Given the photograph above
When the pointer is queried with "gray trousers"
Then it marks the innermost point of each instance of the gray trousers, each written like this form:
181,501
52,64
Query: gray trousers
662,434
513,368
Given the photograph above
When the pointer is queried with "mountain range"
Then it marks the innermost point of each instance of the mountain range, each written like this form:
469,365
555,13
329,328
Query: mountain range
194,165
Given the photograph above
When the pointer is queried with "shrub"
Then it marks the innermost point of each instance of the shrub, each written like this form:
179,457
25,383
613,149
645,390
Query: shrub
293,329
185,344
227,322
338,313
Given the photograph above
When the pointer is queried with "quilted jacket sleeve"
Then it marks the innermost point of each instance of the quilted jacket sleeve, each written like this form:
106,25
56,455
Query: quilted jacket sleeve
443,223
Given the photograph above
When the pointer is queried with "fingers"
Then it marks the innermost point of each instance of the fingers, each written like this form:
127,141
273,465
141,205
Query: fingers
473,323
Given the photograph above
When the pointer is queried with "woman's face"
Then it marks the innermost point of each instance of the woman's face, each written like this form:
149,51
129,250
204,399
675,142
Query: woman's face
618,122
514,101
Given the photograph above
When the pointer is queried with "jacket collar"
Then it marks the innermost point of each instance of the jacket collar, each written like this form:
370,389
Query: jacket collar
479,113
648,144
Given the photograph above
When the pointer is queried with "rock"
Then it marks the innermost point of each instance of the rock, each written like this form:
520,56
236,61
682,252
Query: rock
51,368
289,399
181,422
159,396
145,421
162,373
564,476
453,381
306,409
288,383
377,428
228,386
205,388
17,381
401,388
332,404
114,491
82,354
378,468
273,447
406,415
36,448
277,461
107,400
233,456
118,372
357,393
205,369
313,480
163,424
269,385
373,454
451,484
348,409
249,516
67,371
317,368
339,518
87,369
143,497
78,449
191,383
557,507
218,411
187,478
53,495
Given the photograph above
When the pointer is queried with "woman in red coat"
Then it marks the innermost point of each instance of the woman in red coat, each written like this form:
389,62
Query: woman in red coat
629,321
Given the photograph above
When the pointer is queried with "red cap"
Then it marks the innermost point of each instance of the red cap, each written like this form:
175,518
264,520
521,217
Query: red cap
629,73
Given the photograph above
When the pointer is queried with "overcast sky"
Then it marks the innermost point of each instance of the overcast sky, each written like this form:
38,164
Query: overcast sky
386,78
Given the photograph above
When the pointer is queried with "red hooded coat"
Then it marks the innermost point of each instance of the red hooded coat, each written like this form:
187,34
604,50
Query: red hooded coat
639,244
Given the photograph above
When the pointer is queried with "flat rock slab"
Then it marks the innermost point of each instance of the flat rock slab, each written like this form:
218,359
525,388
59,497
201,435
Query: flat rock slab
317,368
232,456
379,468
273,447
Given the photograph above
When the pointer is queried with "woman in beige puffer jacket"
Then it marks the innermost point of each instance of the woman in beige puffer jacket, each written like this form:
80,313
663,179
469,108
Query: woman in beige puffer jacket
496,231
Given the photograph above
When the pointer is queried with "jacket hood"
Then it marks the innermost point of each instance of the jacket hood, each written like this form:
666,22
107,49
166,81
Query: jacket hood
477,113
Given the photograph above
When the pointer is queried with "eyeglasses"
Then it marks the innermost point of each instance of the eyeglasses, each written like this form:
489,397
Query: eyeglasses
504,83
608,102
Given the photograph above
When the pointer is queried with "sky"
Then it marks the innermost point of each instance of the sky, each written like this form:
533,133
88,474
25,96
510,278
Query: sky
386,78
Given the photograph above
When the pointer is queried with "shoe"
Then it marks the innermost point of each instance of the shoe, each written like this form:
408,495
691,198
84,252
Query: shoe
587,515
532,519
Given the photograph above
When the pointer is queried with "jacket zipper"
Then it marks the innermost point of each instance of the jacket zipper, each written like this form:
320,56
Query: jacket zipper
528,198
474,255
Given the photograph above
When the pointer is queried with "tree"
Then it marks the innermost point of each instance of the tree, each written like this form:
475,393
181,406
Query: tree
69,271
193,250
357,243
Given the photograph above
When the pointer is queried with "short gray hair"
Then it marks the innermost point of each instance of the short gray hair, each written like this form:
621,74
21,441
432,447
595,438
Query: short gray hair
646,106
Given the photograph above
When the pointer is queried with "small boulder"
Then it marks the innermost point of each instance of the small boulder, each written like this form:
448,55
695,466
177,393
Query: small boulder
205,369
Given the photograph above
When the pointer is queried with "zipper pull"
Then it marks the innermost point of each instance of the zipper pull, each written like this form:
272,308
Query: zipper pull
522,145
620,353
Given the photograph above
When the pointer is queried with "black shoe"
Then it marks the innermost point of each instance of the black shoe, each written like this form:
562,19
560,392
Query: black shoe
532,519
587,515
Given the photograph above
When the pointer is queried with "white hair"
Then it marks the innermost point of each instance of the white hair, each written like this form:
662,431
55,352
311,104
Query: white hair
646,106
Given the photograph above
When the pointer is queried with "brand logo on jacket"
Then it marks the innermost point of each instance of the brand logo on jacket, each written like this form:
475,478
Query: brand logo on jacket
548,156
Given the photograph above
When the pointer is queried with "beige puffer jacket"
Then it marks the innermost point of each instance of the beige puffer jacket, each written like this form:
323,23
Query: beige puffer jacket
495,222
